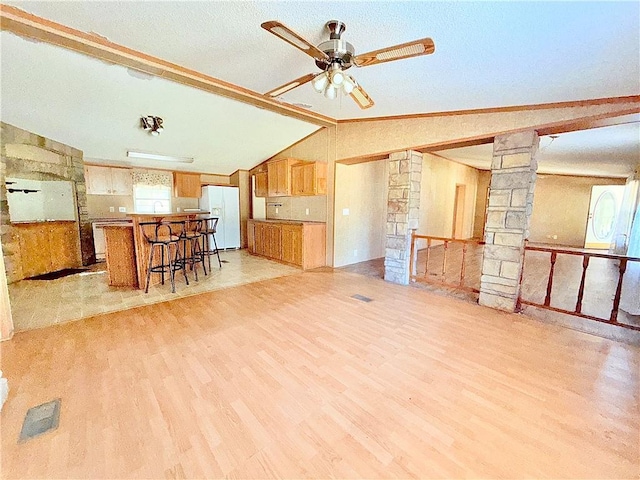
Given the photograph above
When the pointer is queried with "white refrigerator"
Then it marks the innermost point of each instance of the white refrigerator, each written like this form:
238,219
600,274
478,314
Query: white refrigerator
224,203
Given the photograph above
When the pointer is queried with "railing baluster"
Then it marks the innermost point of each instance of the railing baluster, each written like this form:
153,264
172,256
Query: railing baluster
464,254
585,264
426,266
616,300
547,299
444,259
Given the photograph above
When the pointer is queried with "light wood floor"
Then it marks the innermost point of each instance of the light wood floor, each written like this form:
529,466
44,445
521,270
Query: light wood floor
291,377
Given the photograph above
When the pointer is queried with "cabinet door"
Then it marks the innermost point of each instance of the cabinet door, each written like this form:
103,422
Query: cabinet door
262,189
292,244
98,180
309,179
35,257
63,242
187,185
121,182
272,179
297,180
274,245
278,178
251,237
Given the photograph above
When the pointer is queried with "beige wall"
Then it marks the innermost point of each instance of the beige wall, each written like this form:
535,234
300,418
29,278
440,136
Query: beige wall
373,137
484,179
437,196
561,208
362,189
295,208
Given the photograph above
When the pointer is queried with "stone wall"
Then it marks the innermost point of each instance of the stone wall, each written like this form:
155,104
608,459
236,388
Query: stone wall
30,156
403,213
513,178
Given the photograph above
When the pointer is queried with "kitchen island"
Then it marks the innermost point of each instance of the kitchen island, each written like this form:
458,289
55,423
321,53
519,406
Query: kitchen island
129,250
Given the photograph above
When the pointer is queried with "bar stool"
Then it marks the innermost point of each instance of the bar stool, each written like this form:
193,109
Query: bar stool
164,237
191,235
209,229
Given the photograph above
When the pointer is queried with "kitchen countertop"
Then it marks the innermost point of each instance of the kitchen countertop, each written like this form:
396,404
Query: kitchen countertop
168,215
291,222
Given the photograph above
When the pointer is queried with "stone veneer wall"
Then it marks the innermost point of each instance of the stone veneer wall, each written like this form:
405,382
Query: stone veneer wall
30,156
403,213
513,179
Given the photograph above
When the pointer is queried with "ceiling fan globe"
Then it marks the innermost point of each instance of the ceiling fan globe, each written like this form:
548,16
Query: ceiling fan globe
320,82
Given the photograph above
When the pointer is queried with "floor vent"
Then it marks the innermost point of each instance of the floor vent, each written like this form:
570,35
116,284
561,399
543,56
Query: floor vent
362,298
40,420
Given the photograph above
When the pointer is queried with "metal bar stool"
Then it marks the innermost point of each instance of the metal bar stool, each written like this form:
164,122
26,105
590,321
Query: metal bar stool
191,236
208,231
163,235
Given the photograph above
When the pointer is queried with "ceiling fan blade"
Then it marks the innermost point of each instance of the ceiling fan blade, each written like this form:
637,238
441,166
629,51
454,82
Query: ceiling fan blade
276,92
291,37
416,48
361,97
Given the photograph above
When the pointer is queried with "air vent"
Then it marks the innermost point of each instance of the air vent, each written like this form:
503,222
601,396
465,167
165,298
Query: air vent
362,298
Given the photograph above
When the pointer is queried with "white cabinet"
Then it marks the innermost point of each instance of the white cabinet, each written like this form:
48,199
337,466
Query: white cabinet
108,180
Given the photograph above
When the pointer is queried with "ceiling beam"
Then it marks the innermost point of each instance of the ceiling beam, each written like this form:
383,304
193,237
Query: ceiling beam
565,126
30,26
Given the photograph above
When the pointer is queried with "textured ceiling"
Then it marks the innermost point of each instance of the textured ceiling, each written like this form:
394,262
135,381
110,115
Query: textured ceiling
488,54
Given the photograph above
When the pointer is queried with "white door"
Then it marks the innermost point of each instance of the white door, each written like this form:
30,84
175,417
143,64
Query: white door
604,208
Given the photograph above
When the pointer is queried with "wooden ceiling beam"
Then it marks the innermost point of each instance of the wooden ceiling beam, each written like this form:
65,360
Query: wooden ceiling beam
30,26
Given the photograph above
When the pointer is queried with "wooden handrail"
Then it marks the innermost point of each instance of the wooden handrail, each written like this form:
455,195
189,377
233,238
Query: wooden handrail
443,270
586,256
611,256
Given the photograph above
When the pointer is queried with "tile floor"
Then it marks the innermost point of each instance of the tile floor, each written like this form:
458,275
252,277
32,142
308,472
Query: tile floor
40,303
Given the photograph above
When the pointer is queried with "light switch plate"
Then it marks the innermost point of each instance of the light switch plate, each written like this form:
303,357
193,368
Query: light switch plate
345,211
276,209
122,209
306,211
112,209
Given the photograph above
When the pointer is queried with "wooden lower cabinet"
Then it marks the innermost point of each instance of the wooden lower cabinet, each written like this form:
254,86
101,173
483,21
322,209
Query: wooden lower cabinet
297,243
48,247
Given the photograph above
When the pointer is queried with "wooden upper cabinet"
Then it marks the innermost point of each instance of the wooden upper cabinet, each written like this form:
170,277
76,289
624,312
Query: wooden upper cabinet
309,178
187,185
279,177
262,184
108,180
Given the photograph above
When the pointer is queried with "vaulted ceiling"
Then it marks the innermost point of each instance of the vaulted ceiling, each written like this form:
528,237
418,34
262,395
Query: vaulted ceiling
488,54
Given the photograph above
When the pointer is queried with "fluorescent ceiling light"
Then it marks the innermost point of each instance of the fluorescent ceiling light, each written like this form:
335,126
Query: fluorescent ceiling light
154,156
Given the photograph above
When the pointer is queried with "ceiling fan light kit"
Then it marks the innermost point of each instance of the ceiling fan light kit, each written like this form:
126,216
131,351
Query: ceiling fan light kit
335,56
152,124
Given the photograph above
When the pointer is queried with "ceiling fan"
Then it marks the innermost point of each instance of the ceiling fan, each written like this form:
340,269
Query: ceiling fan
335,56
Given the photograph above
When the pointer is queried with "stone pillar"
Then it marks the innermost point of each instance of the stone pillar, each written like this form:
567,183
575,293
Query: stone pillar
513,179
403,212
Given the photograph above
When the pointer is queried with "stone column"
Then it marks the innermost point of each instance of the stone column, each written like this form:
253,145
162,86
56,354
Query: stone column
403,212
513,179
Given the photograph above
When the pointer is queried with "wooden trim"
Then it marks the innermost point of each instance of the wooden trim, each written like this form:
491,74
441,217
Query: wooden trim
27,25
564,126
513,108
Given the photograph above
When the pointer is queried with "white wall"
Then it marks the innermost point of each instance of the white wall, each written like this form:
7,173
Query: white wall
360,235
